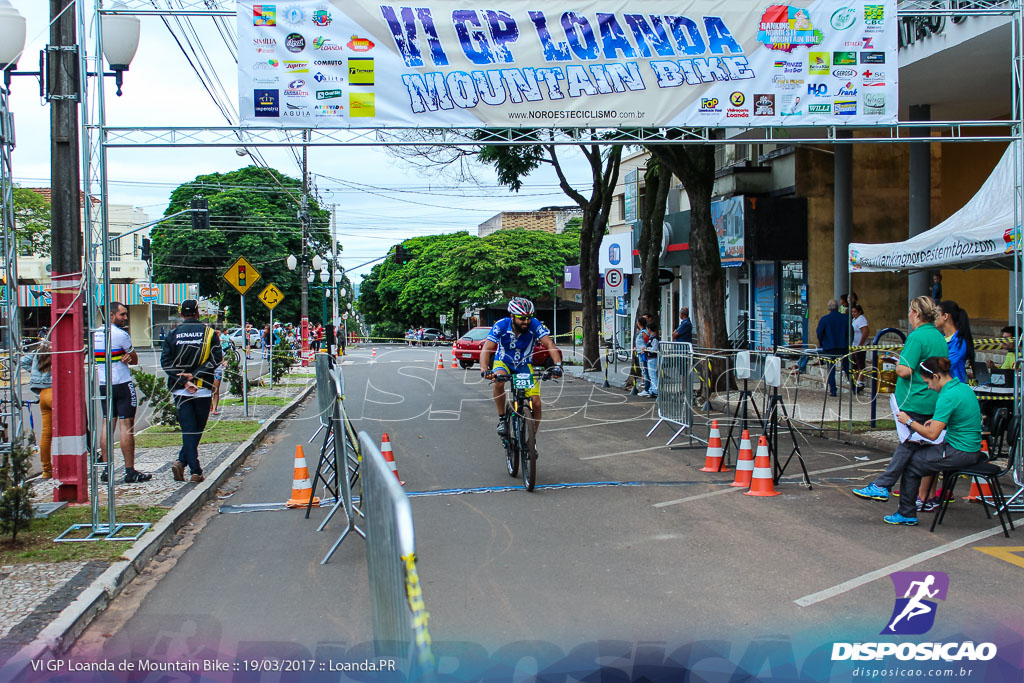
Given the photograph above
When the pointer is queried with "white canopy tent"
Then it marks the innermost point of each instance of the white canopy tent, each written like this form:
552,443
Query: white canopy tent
981,233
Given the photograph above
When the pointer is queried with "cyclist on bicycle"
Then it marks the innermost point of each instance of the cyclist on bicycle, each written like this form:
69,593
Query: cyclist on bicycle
511,342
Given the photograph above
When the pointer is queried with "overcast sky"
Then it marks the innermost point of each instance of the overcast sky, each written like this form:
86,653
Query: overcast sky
380,200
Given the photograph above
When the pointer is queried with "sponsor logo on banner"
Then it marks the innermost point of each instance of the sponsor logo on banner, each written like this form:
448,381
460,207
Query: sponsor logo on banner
874,18
764,105
786,83
328,110
844,58
819,108
294,89
789,67
789,105
321,77
357,44
844,73
844,107
328,94
868,42
874,103
329,62
264,15
817,89
325,45
294,15
295,42
295,107
296,66
264,45
853,43
361,105
265,80
843,18
737,99
267,103
360,71
709,105
268,65
873,78
847,90
916,606
322,17
872,58
818,63
783,27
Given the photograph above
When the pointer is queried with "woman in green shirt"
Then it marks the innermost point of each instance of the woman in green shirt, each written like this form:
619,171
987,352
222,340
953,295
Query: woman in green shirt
912,394
957,411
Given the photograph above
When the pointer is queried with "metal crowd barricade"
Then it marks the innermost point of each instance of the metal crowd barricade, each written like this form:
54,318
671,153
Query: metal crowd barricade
675,388
396,595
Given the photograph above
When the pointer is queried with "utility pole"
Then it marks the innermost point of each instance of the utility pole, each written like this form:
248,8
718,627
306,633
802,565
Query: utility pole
304,219
70,450
332,329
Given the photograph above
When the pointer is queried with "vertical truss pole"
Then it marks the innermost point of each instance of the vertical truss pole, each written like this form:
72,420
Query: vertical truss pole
1017,89
10,328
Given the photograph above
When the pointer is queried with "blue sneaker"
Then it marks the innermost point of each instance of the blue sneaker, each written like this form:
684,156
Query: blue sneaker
872,492
897,518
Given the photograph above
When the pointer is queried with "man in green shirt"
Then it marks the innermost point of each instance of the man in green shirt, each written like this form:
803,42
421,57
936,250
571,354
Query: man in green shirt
912,394
1008,335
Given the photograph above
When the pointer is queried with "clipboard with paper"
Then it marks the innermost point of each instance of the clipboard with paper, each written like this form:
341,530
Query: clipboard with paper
903,431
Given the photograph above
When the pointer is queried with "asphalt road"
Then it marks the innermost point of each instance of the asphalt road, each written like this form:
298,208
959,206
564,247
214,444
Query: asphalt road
674,562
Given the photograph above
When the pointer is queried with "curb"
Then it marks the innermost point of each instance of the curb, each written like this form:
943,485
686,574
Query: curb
61,633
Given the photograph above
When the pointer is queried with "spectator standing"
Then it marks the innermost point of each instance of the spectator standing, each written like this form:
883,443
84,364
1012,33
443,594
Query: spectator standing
218,377
652,357
1008,335
833,339
955,325
684,332
190,358
913,395
861,331
122,389
844,304
41,383
936,289
636,373
640,345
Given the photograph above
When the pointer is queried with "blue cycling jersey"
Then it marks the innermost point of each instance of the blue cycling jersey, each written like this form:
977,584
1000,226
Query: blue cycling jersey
515,350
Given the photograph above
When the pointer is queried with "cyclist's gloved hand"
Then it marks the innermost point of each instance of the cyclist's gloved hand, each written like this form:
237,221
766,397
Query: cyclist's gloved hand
487,374
556,371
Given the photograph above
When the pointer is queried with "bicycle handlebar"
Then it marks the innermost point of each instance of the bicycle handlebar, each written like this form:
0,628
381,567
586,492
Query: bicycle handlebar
546,376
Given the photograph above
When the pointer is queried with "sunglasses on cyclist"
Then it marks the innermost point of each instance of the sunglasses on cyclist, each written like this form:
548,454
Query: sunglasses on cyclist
524,318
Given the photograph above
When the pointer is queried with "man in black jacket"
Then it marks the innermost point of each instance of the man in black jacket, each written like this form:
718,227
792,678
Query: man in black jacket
191,353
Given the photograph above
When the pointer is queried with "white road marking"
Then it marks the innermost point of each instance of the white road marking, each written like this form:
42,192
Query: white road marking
609,455
847,586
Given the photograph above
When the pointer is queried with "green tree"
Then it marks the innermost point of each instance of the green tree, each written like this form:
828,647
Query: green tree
32,218
253,213
652,219
15,492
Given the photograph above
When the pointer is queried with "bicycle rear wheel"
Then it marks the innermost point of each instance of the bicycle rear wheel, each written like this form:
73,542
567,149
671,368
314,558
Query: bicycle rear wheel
510,441
528,446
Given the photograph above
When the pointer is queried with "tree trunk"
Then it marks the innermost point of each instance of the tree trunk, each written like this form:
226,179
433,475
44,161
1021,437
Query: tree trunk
656,184
694,165
590,244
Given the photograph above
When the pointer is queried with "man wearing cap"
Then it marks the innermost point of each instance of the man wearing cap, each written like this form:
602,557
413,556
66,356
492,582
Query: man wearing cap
191,353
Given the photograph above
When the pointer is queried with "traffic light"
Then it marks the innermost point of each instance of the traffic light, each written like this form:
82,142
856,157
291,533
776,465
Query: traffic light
145,249
200,213
402,255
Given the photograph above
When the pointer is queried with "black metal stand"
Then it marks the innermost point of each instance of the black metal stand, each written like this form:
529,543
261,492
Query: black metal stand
326,471
776,404
741,417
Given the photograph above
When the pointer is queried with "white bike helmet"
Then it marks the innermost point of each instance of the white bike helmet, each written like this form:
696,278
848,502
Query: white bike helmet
520,306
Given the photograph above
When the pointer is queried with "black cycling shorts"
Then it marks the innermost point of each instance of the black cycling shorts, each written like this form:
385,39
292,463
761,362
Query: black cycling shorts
125,401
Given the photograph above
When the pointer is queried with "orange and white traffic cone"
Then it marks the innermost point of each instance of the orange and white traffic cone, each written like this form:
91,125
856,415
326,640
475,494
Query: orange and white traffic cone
374,352
713,458
440,361
302,488
455,362
979,487
761,483
744,462
389,456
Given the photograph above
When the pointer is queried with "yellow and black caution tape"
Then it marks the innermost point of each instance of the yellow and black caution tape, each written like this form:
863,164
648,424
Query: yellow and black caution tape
420,616
986,344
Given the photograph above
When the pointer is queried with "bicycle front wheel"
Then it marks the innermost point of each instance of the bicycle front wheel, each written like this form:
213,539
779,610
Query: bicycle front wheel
510,441
528,446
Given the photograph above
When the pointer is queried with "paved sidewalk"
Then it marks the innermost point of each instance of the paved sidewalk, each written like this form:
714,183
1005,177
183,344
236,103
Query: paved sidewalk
45,605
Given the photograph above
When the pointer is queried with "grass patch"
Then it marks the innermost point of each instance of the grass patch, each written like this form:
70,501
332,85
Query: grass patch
221,431
860,426
301,375
36,544
258,401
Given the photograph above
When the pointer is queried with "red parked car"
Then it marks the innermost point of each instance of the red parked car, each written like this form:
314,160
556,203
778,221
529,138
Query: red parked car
467,348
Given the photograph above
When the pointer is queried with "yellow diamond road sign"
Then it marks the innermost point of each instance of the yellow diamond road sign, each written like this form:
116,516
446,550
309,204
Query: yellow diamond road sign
271,296
241,275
